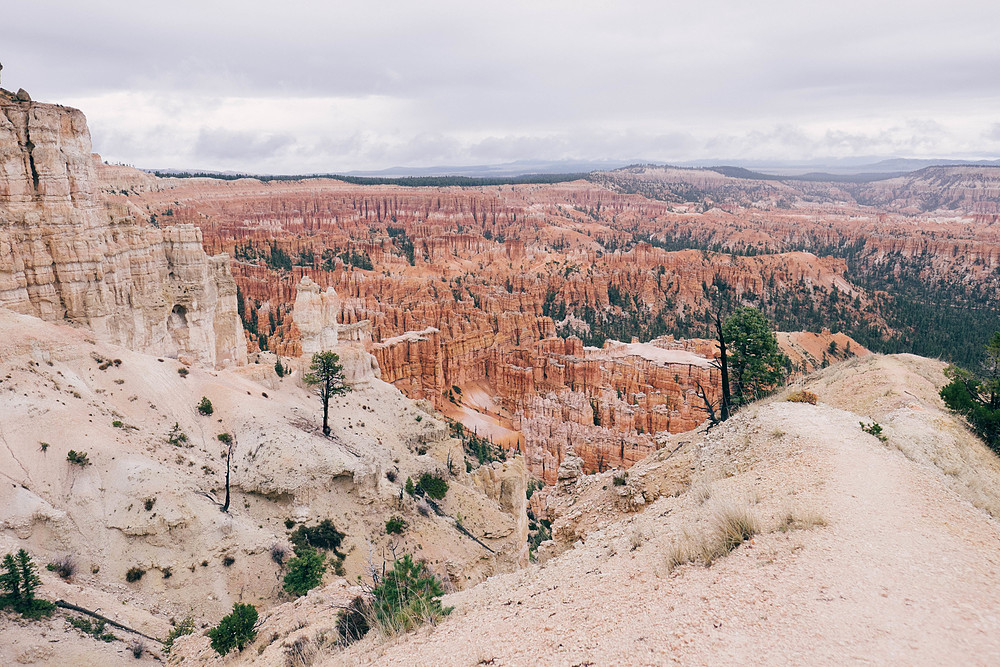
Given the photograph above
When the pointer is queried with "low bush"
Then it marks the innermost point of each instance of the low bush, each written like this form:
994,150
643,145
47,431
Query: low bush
235,630
874,429
279,553
353,623
205,407
134,574
802,397
324,535
95,629
433,485
407,596
185,627
77,458
305,571
395,526
64,567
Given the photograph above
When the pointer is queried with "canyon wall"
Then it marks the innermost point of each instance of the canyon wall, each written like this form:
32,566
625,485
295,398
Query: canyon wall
71,253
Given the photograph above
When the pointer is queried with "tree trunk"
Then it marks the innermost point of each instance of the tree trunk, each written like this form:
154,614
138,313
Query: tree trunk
724,367
229,465
326,406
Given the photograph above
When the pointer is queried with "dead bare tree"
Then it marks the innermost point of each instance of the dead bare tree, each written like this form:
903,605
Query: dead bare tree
230,441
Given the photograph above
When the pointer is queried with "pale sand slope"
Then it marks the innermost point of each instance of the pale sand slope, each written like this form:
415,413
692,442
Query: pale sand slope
907,571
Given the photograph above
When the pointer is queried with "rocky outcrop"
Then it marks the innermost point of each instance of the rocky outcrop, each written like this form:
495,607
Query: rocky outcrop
315,319
68,254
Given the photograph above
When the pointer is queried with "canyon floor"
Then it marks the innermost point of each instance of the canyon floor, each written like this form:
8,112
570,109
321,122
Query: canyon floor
868,552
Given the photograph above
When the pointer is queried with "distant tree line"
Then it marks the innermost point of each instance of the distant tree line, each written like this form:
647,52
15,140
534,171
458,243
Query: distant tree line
405,181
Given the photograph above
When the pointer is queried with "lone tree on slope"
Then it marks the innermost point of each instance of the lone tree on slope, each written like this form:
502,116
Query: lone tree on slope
327,375
756,363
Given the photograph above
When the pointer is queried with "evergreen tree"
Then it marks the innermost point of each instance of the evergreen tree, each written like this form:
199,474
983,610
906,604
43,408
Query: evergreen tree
757,364
327,376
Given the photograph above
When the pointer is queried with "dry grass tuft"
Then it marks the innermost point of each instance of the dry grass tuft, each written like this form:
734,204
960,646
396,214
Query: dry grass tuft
802,397
734,525
801,520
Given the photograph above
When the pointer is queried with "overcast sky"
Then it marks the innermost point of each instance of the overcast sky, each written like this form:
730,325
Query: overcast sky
297,86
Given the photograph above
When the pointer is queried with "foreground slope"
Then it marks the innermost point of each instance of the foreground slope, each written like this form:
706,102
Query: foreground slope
888,552
149,501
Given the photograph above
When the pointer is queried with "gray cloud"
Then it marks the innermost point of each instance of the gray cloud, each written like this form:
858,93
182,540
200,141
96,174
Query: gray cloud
324,86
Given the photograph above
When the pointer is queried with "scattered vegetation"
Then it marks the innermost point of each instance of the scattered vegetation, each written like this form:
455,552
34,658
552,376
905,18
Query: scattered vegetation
137,647
410,488
802,397
538,532
874,429
183,372
205,406
118,423
620,479
235,630
148,504
483,449
977,396
279,369
185,627
395,525
134,574
18,583
65,567
95,629
177,437
228,560
77,458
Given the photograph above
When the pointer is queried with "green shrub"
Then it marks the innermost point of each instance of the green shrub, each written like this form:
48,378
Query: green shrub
279,369
406,597
410,489
118,423
205,407
77,458
395,525
321,536
185,627
177,437
225,438
874,429
235,630
305,571
619,480
433,485
183,372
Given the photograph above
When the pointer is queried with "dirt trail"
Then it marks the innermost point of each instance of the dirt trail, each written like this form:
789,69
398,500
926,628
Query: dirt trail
905,572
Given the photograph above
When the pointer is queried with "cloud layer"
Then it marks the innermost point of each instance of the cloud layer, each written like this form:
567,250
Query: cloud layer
311,86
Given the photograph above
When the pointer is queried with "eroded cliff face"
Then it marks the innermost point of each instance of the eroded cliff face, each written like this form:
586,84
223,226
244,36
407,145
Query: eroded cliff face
70,253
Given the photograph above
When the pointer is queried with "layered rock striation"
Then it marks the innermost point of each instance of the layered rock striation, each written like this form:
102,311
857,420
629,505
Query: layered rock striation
69,253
